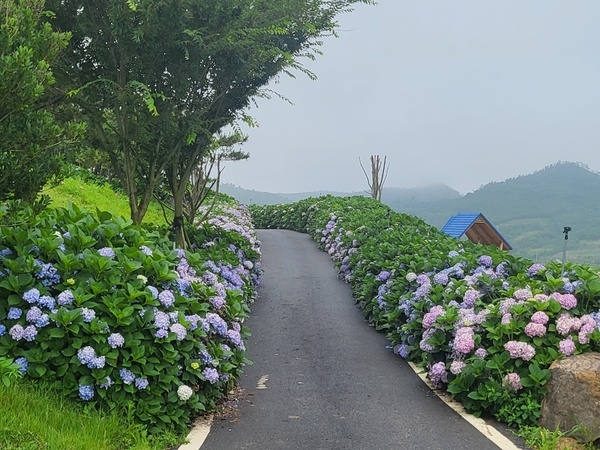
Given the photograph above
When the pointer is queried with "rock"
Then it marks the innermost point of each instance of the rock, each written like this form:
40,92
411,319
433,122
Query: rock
573,396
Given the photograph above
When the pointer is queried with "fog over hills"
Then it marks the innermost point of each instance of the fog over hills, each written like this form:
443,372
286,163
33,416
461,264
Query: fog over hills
530,211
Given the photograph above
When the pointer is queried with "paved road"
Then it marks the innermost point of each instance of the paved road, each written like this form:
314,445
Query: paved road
322,378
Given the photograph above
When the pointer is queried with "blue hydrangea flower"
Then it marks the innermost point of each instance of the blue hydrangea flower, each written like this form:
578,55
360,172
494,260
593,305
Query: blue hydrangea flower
97,363
5,252
153,291
14,313
146,250
47,302
65,298
107,252
127,376
48,274
86,392
167,298
31,296
88,314
23,363
161,333
108,382
43,321
141,383
2,330
116,340
86,355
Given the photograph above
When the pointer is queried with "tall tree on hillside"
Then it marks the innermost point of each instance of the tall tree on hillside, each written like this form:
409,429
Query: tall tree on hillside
379,173
159,78
32,144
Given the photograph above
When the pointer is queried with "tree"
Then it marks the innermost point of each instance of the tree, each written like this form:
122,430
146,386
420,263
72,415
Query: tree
33,144
379,173
157,79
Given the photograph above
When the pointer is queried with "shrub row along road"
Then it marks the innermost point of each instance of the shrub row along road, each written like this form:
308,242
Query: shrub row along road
322,378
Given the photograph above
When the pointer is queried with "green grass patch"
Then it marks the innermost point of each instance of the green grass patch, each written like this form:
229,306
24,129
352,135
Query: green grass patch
36,419
90,196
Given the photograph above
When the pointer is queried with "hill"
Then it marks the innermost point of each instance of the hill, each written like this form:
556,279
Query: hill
530,211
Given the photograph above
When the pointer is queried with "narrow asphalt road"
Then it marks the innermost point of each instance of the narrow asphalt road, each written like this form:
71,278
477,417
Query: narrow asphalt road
322,378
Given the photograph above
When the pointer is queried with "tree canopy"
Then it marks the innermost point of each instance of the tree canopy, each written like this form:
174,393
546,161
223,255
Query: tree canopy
157,79
33,143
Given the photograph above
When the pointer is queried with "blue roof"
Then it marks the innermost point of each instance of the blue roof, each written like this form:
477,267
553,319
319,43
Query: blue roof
458,224
484,232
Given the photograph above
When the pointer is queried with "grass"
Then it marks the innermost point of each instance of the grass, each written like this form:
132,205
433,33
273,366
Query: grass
36,419
90,196
539,438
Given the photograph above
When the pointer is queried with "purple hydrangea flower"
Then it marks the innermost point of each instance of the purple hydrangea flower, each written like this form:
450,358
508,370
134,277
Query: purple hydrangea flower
535,268
153,291
438,374
211,375
179,331
441,278
402,350
457,366
481,352
108,382
523,294
383,276
470,297
29,333
218,302
161,333
485,261
236,339
16,332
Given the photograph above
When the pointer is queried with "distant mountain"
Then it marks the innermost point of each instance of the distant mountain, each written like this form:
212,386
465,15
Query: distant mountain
530,211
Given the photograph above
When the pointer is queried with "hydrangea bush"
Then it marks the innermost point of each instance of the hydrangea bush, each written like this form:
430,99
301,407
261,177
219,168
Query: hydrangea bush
484,324
110,313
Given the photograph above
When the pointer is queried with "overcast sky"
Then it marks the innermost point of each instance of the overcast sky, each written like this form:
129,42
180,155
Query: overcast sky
462,92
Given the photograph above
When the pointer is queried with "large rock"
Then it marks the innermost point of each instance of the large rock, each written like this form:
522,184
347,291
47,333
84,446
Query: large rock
574,396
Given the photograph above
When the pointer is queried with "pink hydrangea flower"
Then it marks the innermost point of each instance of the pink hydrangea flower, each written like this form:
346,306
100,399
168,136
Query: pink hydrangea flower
430,317
567,301
533,329
457,366
512,381
463,341
522,294
567,346
540,317
521,350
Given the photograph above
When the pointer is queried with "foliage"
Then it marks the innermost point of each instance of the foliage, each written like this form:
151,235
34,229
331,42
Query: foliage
156,80
97,193
484,324
33,144
109,313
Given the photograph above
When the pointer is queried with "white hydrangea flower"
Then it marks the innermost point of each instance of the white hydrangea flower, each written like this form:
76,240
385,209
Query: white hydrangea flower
411,276
184,392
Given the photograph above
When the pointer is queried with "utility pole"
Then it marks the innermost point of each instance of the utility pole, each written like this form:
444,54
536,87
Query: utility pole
566,233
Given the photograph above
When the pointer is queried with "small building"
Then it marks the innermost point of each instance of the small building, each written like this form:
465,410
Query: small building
476,228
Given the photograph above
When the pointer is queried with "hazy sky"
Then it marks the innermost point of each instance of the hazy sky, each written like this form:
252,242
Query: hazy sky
462,92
